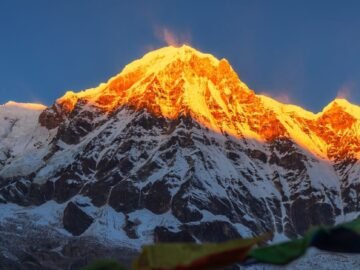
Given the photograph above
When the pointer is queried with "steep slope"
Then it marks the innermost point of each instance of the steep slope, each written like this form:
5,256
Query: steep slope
176,147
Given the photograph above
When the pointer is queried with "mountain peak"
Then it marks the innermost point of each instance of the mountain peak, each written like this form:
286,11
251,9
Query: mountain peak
164,81
174,81
341,102
28,106
342,105
171,80
157,60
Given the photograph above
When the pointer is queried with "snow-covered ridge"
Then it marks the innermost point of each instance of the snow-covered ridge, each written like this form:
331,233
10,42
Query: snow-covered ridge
27,106
17,119
157,63
172,81
344,104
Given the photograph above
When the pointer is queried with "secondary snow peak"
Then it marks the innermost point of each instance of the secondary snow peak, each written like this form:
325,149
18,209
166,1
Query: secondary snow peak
27,106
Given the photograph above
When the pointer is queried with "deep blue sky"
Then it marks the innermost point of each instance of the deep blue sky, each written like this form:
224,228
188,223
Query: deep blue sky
304,51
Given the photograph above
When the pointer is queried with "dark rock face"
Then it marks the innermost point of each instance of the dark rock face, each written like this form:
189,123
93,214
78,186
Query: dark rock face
310,213
130,228
216,231
80,123
40,194
124,197
75,220
52,117
257,154
157,197
290,159
162,234
43,249
181,205
98,192
66,187
16,190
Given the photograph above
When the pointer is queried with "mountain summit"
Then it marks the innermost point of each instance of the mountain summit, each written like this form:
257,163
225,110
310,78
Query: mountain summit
169,82
172,81
174,148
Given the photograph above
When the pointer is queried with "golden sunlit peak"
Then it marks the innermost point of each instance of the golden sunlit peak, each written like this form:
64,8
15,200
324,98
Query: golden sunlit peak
172,81
344,105
168,82
174,73
158,59
341,102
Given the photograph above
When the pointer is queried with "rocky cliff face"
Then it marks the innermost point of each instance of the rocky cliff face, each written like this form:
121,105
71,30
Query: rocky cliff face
177,148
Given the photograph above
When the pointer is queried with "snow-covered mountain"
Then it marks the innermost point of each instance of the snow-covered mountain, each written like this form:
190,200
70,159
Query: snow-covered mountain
177,148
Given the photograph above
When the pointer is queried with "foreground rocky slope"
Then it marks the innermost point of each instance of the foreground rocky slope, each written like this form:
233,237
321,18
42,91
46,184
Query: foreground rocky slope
177,148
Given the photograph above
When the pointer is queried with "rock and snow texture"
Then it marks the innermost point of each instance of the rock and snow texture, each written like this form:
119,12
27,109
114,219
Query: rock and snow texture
21,138
177,148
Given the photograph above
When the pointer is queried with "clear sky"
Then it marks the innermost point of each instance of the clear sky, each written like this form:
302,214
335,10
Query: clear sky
302,51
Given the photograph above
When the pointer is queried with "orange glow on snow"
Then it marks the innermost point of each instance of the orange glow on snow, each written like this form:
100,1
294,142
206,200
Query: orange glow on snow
171,81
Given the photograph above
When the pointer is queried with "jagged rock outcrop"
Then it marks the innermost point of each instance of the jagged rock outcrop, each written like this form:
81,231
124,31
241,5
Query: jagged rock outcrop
75,220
